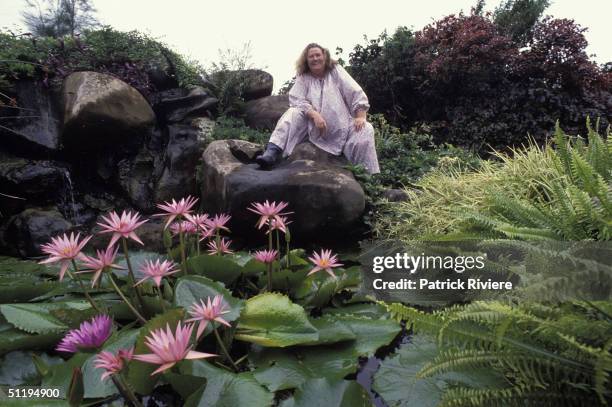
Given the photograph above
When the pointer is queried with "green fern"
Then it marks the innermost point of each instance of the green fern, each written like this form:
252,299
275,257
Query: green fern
549,356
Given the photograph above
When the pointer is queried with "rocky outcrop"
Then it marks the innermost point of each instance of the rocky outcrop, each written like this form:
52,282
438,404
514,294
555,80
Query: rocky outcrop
32,122
264,113
180,161
101,110
326,199
27,231
176,105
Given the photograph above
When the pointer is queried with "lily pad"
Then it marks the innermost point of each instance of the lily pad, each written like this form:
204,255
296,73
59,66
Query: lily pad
225,389
218,268
329,393
396,381
271,319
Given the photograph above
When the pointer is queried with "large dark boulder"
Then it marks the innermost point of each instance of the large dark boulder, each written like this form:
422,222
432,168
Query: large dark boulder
42,181
182,154
32,122
326,199
135,176
263,114
176,105
27,231
102,111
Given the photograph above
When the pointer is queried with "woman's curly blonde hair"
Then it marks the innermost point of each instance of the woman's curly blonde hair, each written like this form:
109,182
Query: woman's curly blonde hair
301,65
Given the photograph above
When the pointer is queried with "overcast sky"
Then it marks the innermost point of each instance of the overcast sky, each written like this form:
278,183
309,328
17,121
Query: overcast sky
277,31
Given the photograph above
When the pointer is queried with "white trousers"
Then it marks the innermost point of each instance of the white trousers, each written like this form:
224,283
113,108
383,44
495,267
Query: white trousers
292,129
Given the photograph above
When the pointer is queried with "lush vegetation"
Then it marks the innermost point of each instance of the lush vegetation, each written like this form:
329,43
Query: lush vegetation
282,327
131,56
537,345
536,192
475,82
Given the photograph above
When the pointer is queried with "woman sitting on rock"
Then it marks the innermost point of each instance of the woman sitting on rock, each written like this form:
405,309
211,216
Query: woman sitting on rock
329,107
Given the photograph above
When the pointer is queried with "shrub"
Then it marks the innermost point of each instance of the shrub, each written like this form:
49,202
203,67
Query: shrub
537,193
475,87
128,55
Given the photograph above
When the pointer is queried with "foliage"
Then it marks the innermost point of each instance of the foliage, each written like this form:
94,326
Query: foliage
227,128
50,18
475,86
229,80
291,322
381,68
544,354
537,193
131,56
517,18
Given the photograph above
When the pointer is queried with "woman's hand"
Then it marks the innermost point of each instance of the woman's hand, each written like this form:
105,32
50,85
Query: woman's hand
359,123
319,121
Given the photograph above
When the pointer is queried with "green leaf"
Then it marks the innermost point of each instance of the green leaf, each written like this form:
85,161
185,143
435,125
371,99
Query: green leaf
396,381
191,289
14,339
184,384
271,319
218,268
44,317
331,330
32,318
329,393
371,334
95,387
225,389
280,369
60,376
139,373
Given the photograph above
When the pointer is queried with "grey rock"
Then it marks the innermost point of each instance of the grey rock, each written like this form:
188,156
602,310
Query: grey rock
34,123
178,104
395,195
182,154
264,113
102,111
33,227
326,199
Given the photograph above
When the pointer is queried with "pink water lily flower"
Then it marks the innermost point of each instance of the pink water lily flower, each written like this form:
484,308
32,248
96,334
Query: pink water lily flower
268,211
122,226
183,227
211,311
89,335
218,222
324,261
156,270
206,234
64,249
199,220
174,209
266,256
169,348
111,363
222,248
97,265
279,223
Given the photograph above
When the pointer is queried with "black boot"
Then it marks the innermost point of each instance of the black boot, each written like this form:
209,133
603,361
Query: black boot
270,157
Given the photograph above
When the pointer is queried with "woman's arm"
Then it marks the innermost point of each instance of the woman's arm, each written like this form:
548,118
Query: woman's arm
297,95
353,95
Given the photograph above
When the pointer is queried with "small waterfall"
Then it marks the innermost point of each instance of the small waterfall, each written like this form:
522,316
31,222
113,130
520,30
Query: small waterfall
67,199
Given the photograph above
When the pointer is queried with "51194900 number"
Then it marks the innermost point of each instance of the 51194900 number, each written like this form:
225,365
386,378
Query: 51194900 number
32,392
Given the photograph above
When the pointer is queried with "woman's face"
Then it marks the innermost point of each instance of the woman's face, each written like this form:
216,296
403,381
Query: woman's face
316,61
